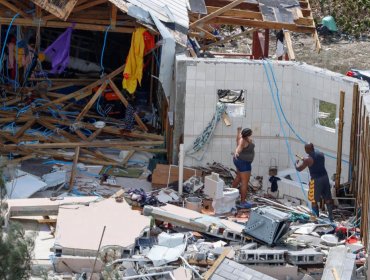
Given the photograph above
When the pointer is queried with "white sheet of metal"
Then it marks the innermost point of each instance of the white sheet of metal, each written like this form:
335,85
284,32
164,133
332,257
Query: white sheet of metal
175,11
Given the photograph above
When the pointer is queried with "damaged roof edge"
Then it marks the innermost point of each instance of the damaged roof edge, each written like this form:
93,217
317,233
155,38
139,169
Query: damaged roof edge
167,56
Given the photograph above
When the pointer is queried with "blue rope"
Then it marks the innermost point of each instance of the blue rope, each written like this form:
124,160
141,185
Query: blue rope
6,39
296,134
291,156
16,60
103,48
285,118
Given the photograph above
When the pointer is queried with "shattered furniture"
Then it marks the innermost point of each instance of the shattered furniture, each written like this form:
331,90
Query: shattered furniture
267,224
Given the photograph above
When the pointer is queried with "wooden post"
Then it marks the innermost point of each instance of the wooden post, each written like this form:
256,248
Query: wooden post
267,43
354,139
340,140
74,167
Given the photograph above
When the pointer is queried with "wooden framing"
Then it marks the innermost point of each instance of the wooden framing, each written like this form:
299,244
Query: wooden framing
249,14
60,12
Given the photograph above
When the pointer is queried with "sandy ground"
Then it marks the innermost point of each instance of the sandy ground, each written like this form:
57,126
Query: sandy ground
336,55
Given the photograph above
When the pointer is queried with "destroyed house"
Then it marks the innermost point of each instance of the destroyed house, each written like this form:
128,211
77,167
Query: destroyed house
118,129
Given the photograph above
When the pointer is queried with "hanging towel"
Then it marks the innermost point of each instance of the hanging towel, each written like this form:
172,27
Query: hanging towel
199,146
133,72
58,52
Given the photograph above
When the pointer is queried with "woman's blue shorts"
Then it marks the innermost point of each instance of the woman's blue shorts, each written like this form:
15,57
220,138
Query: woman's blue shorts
242,165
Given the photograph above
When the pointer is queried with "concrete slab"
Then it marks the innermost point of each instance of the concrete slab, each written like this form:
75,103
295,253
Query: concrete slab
79,229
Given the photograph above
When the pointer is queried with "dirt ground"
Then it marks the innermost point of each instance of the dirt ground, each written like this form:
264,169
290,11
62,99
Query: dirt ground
338,55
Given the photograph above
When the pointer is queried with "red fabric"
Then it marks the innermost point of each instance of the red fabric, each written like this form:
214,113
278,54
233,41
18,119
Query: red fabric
148,41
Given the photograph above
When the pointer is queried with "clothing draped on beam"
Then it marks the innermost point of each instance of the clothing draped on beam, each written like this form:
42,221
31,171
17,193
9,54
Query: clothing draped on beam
58,51
141,42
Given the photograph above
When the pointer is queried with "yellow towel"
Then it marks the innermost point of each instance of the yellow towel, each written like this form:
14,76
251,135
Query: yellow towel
133,72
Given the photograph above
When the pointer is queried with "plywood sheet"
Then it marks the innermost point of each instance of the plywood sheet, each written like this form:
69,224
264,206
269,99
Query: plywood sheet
80,228
162,172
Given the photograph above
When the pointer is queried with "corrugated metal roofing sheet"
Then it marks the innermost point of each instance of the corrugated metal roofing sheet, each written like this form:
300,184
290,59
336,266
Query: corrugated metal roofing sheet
175,11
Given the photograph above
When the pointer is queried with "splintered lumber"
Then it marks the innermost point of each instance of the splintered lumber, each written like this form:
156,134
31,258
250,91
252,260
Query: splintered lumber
95,134
217,263
216,13
96,144
125,102
74,167
168,174
92,101
26,126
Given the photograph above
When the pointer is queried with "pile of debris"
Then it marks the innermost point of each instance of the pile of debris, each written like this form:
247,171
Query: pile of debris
162,234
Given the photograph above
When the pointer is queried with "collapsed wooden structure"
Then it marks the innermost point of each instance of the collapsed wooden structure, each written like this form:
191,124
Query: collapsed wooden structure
290,16
96,15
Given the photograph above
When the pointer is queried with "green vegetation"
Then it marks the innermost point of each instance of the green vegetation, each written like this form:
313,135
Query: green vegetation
15,247
327,114
352,16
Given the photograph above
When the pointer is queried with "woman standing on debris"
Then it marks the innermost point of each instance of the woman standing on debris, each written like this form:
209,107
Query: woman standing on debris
243,157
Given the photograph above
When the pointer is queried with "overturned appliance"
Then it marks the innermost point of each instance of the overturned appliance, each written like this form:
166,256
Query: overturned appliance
267,225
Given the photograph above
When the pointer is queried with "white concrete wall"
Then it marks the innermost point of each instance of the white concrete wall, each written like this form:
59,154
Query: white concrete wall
299,85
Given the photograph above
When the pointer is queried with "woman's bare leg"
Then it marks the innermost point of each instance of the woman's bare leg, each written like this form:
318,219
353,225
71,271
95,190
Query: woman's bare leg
237,180
245,176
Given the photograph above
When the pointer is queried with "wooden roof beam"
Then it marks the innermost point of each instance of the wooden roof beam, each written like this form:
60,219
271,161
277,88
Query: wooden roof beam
79,8
216,13
113,15
264,24
64,24
243,6
238,13
15,9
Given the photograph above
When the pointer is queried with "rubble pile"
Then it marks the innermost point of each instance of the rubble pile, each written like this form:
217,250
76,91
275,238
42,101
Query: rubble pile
156,234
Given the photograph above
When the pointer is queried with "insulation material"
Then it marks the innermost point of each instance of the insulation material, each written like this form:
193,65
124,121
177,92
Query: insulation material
79,229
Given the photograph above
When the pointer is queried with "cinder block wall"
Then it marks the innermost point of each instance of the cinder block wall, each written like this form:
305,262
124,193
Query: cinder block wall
299,85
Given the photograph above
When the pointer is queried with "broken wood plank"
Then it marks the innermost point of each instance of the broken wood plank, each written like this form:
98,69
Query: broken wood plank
111,75
127,157
289,45
74,167
216,13
226,119
94,134
217,263
26,126
14,8
100,144
57,130
92,101
125,102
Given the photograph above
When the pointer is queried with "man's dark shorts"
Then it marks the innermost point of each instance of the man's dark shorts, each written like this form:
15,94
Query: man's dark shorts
319,188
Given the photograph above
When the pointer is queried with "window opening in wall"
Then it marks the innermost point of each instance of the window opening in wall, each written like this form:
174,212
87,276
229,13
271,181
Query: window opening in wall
325,114
235,100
